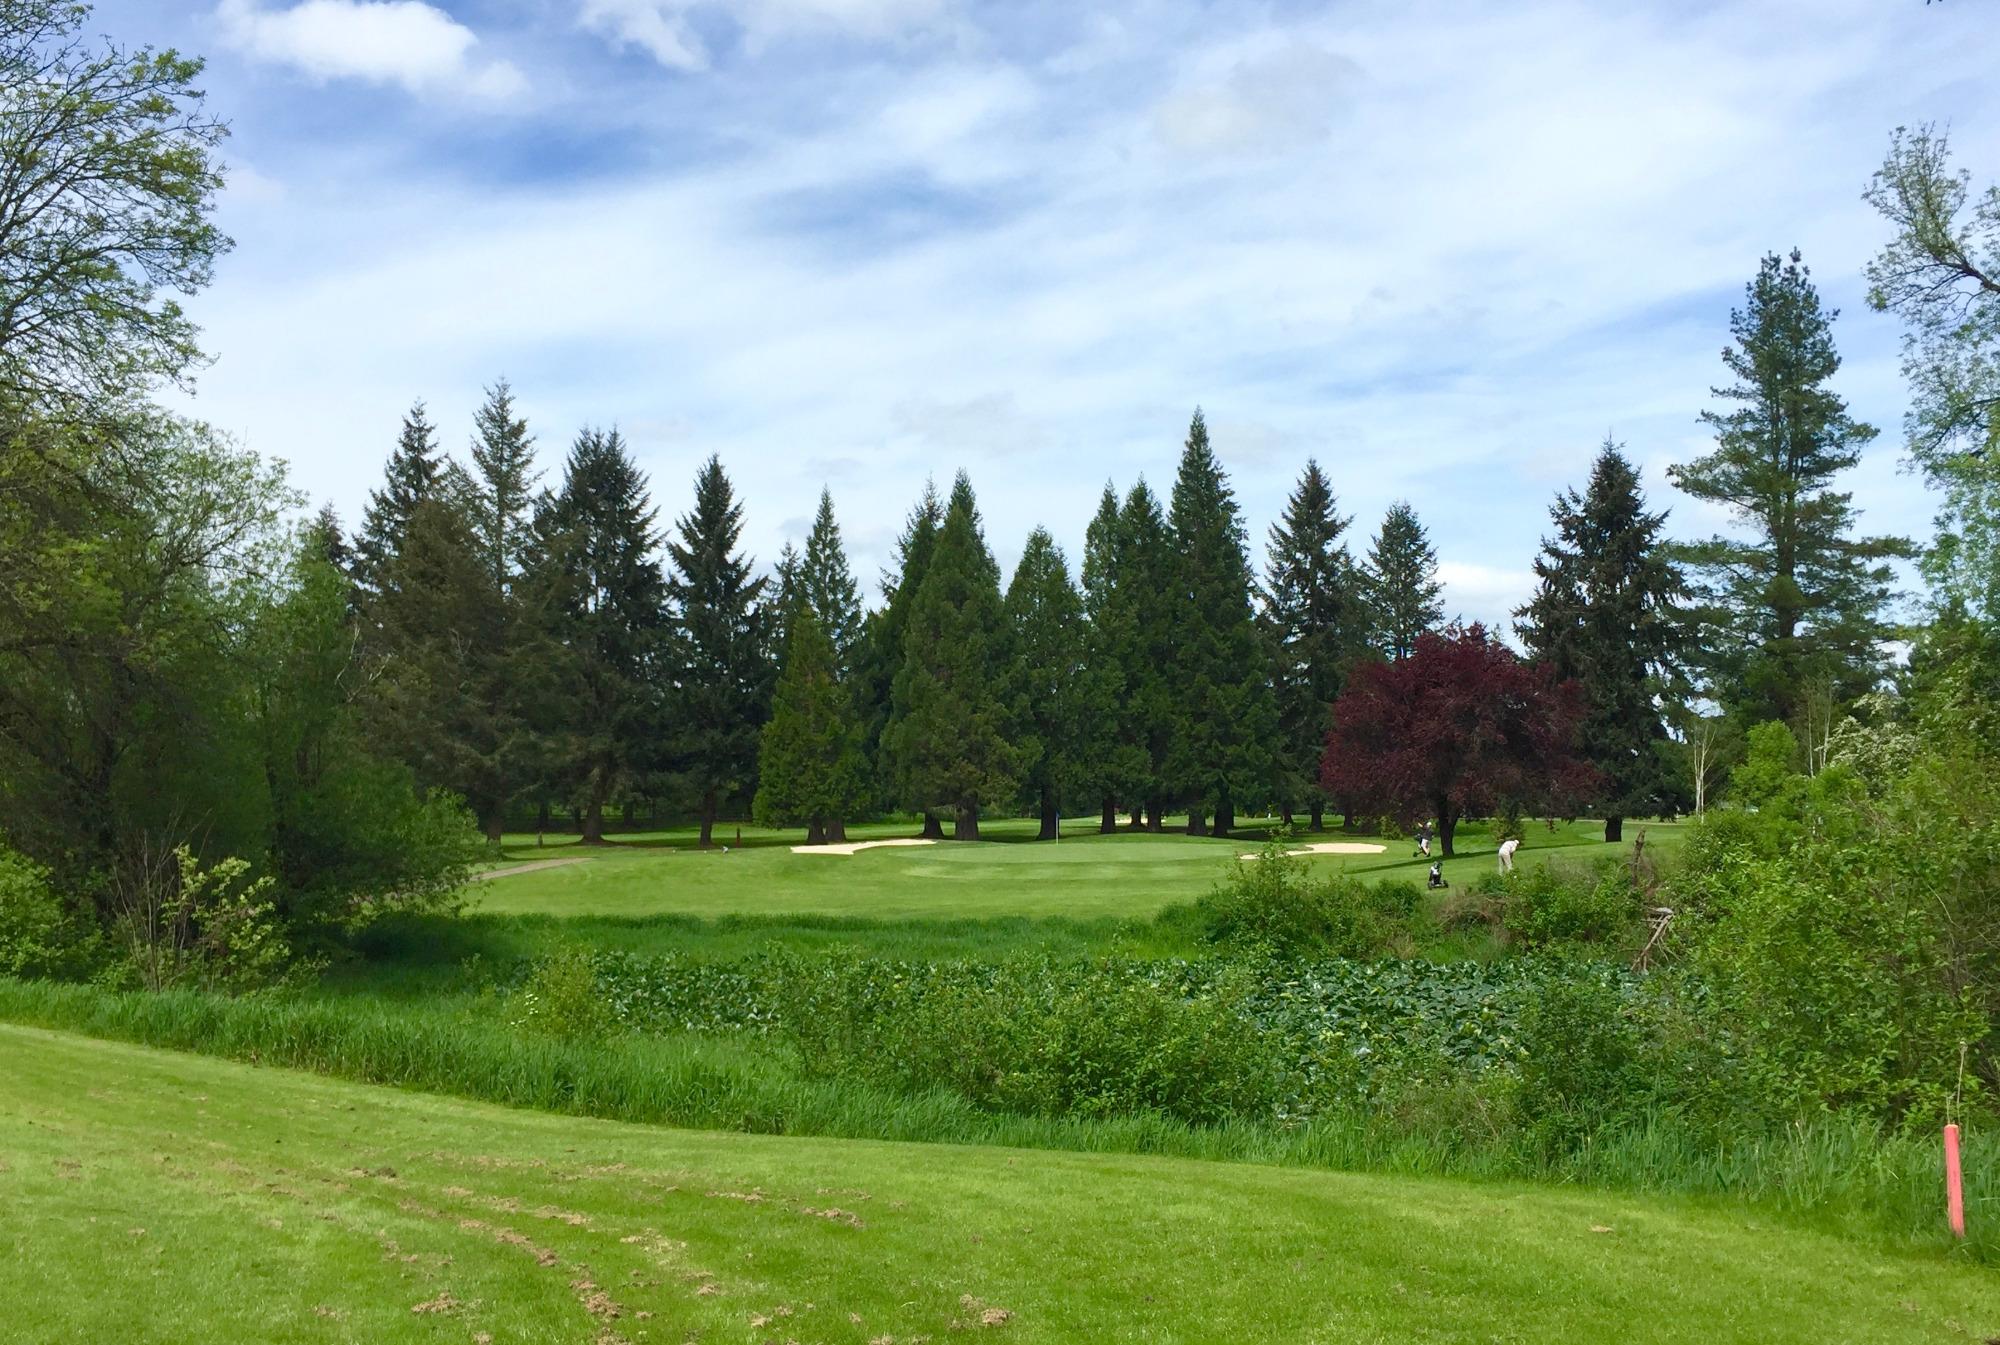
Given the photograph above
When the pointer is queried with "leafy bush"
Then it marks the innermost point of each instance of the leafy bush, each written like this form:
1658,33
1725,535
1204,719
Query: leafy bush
39,935
1579,1068
1275,906
564,998
1557,904
212,929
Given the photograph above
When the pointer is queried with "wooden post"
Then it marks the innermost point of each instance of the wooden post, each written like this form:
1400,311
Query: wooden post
1954,1187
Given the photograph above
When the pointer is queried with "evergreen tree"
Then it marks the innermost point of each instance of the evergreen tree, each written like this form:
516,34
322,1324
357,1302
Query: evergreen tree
1402,584
503,456
1802,599
882,647
1606,615
595,547
1225,725
410,476
1112,752
810,769
1314,622
721,665
1146,588
947,736
1046,679
787,598
829,585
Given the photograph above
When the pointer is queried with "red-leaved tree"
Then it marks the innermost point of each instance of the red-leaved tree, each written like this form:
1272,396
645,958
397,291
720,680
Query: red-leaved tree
1461,726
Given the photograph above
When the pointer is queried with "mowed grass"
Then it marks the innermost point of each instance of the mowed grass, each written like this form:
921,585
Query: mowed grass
1084,876
162,1197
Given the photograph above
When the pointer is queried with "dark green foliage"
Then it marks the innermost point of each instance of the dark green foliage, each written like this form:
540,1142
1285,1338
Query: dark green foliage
594,548
1581,1052
1606,614
882,655
1109,744
720,665
503,459
412,475
111,172
947,738
1402,584
1144,593
1049,690
1801,600
1224,747
827,585
1315,620
810,769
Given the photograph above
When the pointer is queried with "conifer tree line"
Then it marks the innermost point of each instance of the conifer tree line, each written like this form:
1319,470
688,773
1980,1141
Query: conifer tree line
556,646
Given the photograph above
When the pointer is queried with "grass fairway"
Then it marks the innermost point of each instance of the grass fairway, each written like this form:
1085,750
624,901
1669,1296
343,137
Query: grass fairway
161,1197
1083,876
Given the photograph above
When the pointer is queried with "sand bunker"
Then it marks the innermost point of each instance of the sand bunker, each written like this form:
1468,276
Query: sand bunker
850,847
1334,848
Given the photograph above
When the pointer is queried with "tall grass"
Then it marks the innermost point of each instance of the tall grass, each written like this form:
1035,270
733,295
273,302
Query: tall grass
1837,1171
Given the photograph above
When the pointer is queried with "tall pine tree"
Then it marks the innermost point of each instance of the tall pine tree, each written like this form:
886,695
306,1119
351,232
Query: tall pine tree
1046,679
881,660
1315,622
596,546
722,669
1402,584
503,460
829,585
809,768
1225,727
1606,614
1801,600
411,476
1116,760
947,736
1146,585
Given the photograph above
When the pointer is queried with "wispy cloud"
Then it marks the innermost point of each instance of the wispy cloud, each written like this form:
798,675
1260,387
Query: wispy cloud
670,31
406,42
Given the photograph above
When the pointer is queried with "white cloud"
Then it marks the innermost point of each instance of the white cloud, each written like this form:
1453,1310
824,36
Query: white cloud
665,29
1267,100
406,42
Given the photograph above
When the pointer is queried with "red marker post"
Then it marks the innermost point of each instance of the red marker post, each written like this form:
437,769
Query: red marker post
1954,1184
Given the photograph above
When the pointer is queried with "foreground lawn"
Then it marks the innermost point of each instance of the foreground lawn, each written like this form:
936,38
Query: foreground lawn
1083,876
160,1197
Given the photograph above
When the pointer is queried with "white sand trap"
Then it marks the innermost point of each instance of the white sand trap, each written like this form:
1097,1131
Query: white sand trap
852,847
1333,848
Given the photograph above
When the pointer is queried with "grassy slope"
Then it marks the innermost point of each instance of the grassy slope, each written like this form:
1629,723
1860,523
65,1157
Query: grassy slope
1083,876
161,1197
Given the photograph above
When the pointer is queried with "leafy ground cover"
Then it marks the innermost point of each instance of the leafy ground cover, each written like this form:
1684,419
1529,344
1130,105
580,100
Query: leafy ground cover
1081,877
194,1200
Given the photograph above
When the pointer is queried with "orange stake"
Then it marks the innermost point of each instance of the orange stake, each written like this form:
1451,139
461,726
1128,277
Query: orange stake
1954,1188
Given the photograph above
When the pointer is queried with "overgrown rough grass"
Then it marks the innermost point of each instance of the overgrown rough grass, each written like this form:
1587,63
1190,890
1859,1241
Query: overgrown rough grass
165,1198
1837,1172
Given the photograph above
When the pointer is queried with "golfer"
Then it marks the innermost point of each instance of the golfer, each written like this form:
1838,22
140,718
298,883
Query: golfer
1507,849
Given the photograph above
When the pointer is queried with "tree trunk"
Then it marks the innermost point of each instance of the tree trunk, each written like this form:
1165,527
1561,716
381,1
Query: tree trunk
542,816
836,831
965,826
815,833
1108,823
1197,822
1051,820
593,822
1447,826
933,828
1225,819
1614,829
496,817
1285,815
1319,815
708,811
1138,817
1155,820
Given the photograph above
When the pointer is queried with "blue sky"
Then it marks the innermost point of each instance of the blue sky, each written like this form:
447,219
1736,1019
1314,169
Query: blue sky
1444,248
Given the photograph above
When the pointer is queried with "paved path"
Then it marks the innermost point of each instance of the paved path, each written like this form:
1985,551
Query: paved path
513,869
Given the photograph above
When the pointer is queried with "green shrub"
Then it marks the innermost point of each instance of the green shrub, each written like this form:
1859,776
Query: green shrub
1558,905
39,934
213,929
1580,1060
1274,905
563,997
